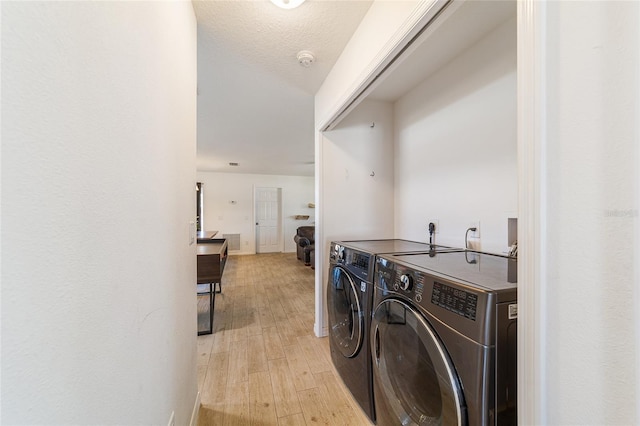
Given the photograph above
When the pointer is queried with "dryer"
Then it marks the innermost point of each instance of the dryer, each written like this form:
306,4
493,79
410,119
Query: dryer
349,303
443,339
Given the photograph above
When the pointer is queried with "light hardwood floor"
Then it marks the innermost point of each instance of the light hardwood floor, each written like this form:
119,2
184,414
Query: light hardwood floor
263,364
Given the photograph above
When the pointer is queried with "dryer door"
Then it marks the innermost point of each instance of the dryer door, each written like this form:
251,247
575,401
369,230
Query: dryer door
414,380
346,316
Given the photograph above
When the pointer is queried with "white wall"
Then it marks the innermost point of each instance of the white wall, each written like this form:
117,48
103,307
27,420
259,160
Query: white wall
360,204
98,150
589,213
455,147
355,204
239,218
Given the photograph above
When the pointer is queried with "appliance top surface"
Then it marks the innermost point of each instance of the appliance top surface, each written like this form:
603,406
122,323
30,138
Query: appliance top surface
490,272
390,246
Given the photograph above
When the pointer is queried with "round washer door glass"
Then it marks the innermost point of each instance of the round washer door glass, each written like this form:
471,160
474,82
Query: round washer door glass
346,318
412,370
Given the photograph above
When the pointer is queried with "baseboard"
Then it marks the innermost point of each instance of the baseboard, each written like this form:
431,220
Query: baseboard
320,331
196,410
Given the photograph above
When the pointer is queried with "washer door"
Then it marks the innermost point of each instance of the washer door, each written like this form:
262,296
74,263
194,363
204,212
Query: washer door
346,317
414,380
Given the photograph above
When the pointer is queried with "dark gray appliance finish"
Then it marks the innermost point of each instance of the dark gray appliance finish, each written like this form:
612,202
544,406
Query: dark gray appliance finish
394,246
349,304
491,272
443,346
349,299
388,246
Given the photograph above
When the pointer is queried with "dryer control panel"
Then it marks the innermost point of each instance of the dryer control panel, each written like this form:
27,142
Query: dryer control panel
426,289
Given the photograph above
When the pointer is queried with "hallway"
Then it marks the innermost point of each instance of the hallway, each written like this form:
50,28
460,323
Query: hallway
263,364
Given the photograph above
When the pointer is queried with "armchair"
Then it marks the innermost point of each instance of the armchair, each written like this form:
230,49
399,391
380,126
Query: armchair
305,243
313,257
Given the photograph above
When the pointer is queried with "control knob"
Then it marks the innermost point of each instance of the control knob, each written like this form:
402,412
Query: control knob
406,282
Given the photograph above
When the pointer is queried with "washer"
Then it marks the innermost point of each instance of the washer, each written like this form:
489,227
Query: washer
349,303
443,339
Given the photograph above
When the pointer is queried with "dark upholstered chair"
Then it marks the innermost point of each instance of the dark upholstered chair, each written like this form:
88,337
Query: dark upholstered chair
313,257
305,239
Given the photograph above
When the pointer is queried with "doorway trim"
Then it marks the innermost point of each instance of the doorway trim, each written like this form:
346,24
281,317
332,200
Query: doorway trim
531,143
531,140
280,220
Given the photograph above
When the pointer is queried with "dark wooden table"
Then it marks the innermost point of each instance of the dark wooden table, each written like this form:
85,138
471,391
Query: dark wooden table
206,235
212,256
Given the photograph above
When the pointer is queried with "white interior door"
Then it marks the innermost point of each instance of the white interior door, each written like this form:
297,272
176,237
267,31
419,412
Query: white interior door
268,207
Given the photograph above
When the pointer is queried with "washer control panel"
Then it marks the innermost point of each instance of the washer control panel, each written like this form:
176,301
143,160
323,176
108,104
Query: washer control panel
417,285
458,301
354,261
404,281
336,252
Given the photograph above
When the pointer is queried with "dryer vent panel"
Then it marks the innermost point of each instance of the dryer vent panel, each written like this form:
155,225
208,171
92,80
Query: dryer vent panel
233,241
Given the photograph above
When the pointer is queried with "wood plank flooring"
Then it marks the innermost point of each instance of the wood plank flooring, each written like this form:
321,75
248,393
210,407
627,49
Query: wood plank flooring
263,364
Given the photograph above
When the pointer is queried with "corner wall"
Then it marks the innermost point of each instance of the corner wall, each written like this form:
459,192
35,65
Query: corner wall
239,218
357,185
455,147
359,176
98,176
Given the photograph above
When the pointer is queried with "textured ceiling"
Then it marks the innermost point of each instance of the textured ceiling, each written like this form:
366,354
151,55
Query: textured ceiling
255,101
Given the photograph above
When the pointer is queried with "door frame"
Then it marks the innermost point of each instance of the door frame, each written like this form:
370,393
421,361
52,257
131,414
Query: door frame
280,217
532,260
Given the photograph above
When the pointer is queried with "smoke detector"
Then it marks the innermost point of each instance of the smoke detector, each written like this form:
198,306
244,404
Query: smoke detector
305,58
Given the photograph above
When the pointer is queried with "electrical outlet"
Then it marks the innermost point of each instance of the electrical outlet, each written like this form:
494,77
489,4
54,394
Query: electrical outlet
474,234
172,419
436,222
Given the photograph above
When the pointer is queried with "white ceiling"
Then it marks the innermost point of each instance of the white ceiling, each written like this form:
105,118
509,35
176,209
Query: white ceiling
255,101
458,28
